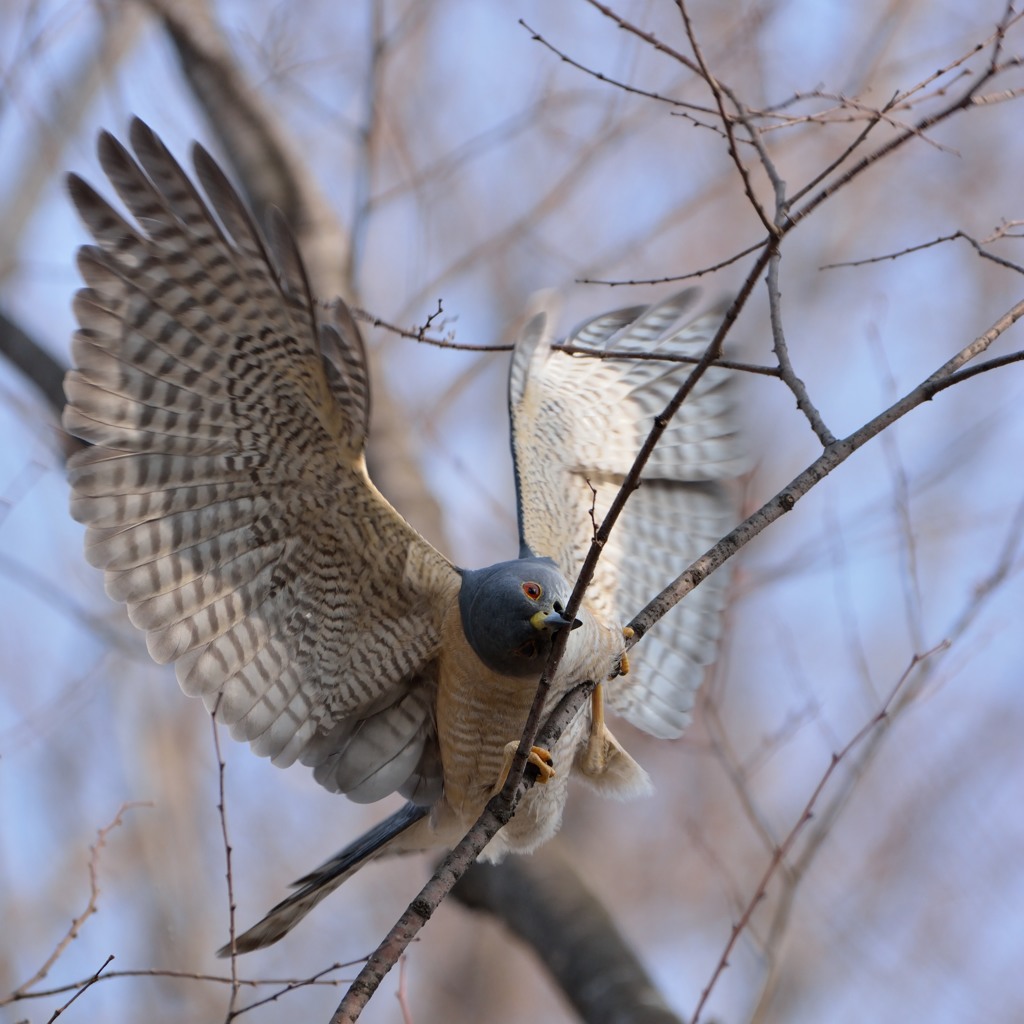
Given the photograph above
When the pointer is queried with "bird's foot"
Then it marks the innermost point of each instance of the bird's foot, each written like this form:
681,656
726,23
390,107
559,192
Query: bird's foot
596,757
608,768
603,762
539,758
623,666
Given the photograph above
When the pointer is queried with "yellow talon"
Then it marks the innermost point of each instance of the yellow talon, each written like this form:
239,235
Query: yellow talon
538,757
594,760
541,760
627,633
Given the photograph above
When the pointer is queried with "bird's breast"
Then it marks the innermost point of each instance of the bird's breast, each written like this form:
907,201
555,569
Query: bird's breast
478,712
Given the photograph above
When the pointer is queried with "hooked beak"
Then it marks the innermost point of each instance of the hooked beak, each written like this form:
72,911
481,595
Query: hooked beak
552,622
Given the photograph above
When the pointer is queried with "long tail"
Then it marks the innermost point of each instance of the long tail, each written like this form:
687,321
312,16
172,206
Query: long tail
324,880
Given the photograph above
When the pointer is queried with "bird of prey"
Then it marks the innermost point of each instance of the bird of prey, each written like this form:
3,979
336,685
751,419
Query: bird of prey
227,500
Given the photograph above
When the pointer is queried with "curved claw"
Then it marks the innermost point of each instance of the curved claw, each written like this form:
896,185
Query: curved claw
541,760
538,757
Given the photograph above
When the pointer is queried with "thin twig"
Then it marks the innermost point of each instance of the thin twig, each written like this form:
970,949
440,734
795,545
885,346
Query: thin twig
835,454
222,813
159,972
780,853
88,984
962,102
91,907
719,94
421,334
648,37
286,987
658,357
978,247
781,349
624,86
675,278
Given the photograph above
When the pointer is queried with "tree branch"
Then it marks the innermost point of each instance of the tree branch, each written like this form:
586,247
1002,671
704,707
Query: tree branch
834,455
496,814
543,902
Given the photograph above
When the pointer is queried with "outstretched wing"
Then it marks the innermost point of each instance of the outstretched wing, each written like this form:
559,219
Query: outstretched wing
225,490
578,423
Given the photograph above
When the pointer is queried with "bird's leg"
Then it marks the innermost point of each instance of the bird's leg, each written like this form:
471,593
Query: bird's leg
604,762
627,632
595,759
539,757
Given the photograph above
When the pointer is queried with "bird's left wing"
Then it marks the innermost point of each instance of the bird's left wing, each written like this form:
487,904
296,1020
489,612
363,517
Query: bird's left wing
225,490
578,423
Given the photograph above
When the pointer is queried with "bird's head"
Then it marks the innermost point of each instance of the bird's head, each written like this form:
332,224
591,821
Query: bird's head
511,612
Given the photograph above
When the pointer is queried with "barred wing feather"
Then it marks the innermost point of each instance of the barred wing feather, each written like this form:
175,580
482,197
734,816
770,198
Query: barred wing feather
225,491
578,423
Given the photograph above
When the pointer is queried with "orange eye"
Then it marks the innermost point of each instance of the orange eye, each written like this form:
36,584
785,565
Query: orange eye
532,591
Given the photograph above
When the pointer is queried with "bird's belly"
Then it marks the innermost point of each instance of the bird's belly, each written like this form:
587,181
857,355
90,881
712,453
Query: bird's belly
473,750
478,714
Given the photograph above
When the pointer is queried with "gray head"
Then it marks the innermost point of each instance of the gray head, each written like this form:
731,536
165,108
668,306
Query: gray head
511,612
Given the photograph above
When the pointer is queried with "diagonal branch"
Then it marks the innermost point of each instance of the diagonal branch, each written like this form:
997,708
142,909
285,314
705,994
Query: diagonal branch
453,867
501,808
781,350
834,455
781,851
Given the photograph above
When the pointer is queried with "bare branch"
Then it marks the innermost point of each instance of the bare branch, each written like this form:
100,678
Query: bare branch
648,37
625,86
22,991
835,454
287,984
676,278
497,813
781,349
286,987
963,102
222,813
719,93
782,851
88,984
979,247
420,333
543,902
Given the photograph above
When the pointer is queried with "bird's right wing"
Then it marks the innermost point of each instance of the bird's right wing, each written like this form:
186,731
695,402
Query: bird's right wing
578,423
225,490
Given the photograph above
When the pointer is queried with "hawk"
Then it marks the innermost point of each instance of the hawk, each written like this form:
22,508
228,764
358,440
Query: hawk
226,498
